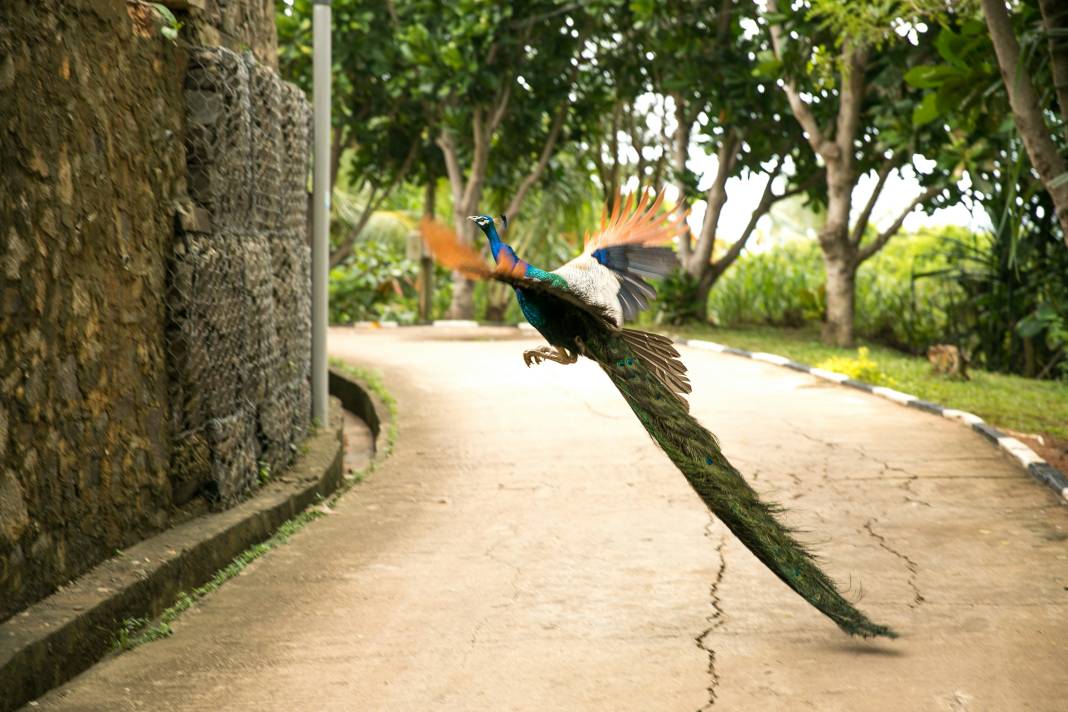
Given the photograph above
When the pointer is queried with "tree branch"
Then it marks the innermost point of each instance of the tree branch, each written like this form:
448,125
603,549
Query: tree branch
1026,111
481,135
452,167
723,21
614,143
885,170
716,198
850,101
500,109
373,204
680,148
543,160
883,237
800,109
1055,22
637,141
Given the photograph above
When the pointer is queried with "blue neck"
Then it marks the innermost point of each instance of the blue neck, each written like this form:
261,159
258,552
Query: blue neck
498,248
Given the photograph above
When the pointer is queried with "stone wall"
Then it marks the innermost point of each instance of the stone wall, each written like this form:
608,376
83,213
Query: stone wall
237,25
95,222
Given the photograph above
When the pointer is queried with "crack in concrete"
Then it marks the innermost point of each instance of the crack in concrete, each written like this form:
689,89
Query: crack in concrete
517,572
912,567
715,621
908,479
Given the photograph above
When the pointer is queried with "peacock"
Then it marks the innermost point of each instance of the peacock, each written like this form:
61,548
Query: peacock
580,309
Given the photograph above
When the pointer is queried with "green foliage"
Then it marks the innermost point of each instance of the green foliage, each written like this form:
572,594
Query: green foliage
137,631
944,286
676,301
376,283
859,368
781,286
171,25
1004,400
372,381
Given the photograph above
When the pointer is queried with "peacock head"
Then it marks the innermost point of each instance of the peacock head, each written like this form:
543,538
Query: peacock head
487,225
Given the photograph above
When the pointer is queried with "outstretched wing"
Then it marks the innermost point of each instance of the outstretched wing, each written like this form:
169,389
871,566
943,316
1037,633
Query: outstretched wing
457,255
638,224
654,350
630,247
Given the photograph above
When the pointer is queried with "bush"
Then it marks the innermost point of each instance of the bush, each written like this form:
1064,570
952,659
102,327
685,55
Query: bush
896,304
861,368
676,300
780,287
376,283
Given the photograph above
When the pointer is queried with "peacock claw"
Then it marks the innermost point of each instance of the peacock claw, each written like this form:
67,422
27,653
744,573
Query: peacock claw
545,353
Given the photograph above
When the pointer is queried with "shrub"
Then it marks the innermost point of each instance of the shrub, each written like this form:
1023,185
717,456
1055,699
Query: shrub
376,283
861,368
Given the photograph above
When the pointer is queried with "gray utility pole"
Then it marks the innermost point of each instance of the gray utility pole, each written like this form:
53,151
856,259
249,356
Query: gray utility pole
321,66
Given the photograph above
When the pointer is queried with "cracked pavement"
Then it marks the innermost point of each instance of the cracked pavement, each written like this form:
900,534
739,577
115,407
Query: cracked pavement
528,548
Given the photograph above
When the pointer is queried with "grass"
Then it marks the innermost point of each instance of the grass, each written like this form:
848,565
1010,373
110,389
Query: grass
372,380
1014,402
138,631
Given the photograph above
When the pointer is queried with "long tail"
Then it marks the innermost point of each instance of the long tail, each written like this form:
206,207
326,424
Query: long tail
696,453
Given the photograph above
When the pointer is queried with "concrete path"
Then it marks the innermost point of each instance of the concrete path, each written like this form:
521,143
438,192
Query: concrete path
528,548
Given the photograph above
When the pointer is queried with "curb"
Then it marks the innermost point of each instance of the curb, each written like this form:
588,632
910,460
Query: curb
1028,459
64,634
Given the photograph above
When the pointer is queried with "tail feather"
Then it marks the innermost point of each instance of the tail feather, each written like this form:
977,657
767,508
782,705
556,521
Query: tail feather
696,453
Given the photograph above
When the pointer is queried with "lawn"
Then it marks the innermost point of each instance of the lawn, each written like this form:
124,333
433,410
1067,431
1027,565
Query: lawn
1011,402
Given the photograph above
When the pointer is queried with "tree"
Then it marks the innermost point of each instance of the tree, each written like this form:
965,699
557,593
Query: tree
677,76
855,109
735,113
1029,107
380,108
502,99
1014,317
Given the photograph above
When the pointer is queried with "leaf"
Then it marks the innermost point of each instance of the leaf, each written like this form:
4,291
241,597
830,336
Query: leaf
926,111
166,14
929,76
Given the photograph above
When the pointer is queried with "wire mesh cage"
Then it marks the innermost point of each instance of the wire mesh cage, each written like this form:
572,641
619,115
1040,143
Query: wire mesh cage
239,282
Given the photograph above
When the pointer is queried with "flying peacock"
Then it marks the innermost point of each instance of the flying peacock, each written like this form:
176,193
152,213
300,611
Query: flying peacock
580,309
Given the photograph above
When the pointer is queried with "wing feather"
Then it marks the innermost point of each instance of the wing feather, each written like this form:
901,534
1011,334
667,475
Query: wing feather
637,224
458,255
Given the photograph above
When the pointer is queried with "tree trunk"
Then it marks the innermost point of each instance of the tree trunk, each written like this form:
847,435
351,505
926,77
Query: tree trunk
426,261
680,151
841,290
699,262
1055,22
704,288
839,257
462,305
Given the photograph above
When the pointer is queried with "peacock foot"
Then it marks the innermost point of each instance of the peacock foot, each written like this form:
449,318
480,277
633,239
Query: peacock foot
546,353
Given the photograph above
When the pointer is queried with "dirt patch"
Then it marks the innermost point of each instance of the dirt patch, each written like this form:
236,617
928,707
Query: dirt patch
1052,449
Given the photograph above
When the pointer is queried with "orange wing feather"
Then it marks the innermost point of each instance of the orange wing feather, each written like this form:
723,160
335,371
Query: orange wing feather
631,224
454,253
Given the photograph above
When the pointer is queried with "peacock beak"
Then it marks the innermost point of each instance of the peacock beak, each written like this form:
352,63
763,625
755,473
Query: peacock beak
473,218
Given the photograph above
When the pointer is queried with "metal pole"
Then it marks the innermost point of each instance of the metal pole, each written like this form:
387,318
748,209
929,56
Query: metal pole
321,65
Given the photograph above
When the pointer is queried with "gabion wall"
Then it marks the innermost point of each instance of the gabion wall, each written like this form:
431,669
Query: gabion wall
239,284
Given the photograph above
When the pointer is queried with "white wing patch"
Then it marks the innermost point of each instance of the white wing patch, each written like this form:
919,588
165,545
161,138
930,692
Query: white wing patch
593,283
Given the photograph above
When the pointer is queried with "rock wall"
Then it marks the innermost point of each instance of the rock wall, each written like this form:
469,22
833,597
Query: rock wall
239,309
96,225
92,162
